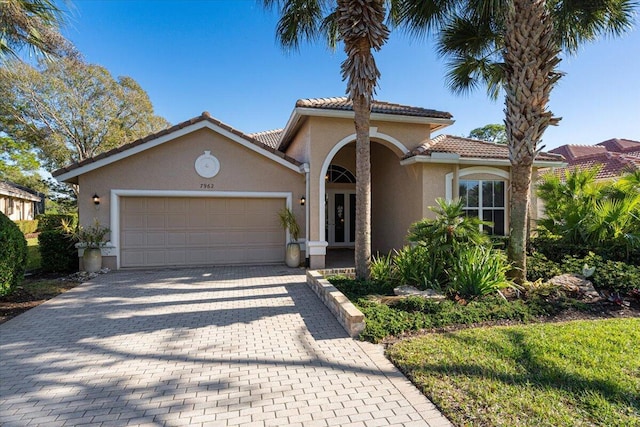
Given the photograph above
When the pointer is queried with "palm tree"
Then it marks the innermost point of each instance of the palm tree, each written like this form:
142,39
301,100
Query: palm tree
514,45
359,24
33,24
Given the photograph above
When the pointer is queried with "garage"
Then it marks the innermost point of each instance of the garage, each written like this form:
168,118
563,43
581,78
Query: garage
182,231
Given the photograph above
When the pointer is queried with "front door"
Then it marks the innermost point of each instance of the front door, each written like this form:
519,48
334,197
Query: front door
341,218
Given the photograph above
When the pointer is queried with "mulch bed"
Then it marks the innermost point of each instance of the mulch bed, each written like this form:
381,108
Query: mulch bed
21,300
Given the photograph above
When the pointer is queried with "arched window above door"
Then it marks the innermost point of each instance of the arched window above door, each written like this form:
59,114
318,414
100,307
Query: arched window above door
338,175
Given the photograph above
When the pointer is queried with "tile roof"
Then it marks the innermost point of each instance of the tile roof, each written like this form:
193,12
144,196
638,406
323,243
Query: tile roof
614,156
470,148
8,189
205,116
611,165
268,137
574,151
342,103
620,145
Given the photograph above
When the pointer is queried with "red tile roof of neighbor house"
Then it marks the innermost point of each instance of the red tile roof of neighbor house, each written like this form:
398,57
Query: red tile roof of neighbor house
382,107
470,148
620,145
614,157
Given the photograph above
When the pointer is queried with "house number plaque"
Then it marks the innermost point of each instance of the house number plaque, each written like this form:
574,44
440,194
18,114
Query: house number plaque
207,166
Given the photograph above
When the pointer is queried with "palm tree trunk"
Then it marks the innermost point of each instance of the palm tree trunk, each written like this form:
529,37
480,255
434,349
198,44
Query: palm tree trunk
362,112
530,57
361,25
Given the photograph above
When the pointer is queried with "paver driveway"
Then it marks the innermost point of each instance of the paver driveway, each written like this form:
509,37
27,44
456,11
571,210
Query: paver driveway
207,346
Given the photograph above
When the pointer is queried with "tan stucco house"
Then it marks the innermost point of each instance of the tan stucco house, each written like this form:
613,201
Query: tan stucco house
17,203
204,193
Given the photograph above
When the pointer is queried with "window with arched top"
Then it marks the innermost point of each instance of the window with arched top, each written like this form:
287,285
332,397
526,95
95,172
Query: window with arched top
338,175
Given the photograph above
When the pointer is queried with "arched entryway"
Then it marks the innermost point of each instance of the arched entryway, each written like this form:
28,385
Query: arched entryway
390,185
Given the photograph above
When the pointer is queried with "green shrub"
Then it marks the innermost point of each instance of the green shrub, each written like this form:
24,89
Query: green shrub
57,251
382,268
478,271
418,266
354,289
27,226
13,255
540,267
48,222
611,276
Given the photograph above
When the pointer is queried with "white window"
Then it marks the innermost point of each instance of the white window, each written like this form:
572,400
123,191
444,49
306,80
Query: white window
486,200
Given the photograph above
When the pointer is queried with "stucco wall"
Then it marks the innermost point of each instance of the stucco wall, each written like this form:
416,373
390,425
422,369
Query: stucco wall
396,200
170,166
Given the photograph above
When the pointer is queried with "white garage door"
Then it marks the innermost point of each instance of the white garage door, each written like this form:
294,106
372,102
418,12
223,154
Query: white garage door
174,231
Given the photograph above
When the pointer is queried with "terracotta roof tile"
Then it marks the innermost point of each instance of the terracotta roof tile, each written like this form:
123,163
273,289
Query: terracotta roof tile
268,137
342,103
470,148
620,145
572,151
205,116
611,164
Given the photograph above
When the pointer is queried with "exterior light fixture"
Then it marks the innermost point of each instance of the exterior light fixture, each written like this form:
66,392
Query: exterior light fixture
96,199
302,201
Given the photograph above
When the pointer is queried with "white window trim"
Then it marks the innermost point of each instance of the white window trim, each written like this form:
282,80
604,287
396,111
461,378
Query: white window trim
480,208
472,171
116,194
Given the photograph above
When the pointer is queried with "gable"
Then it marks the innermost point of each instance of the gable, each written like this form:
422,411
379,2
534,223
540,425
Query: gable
71,173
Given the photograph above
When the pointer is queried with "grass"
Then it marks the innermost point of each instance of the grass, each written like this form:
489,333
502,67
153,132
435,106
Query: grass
569,374
33,254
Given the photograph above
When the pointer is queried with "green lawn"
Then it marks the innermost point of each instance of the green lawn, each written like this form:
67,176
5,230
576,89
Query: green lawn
580,373
33,254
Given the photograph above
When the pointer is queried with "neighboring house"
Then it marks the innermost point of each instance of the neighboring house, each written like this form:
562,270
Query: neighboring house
204,193
614,157
18,203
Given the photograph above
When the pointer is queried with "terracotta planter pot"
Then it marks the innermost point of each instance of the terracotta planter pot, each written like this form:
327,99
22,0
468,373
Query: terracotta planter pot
92,260
292,257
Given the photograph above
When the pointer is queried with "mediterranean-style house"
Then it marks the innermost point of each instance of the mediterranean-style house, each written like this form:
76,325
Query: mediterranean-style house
17,203
614,157
204,193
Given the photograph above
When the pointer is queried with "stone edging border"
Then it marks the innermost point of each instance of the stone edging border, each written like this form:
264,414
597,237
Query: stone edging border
351,319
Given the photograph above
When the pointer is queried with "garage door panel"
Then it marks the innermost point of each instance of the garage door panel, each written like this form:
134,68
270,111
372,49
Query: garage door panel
156,239
166,231
133,239
154,220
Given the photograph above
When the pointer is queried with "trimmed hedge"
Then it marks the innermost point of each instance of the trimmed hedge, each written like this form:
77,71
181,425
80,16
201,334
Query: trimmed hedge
27,226
13,255
57,248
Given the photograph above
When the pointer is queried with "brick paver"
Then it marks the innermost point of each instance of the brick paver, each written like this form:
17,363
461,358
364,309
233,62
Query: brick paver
224,346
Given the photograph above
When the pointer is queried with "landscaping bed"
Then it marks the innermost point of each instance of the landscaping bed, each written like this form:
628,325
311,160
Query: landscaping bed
33,291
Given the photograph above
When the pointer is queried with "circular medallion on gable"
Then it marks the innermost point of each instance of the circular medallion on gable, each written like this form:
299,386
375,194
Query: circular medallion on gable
207,165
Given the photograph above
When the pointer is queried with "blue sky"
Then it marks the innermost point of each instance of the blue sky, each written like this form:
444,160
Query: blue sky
222,57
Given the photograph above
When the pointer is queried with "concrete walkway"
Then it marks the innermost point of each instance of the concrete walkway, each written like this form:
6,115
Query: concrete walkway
227,346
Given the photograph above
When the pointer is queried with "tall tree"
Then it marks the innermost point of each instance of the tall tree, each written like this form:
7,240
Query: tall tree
494,132
359,24
68,111
32,24
515,45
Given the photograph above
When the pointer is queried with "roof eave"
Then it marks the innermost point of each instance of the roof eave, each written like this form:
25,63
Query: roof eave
440,159
70,176
298,113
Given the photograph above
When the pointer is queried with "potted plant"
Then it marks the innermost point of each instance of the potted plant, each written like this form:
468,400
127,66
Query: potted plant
91,239
288,222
